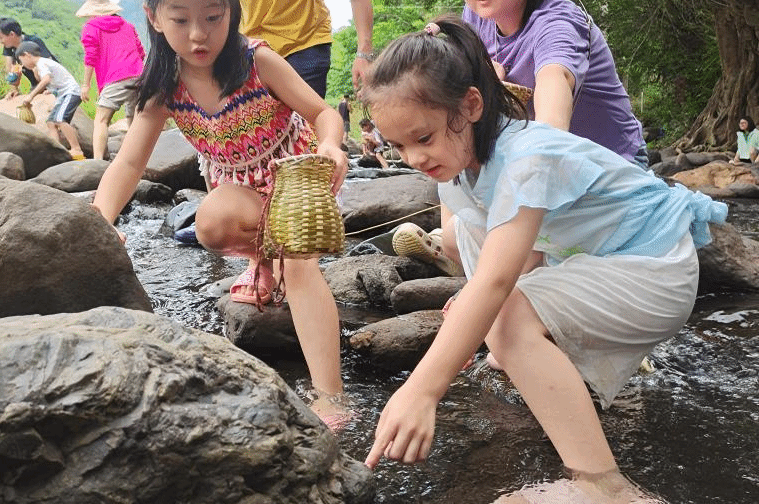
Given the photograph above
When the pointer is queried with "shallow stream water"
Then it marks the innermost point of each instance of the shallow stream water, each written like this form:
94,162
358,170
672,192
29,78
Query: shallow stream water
688,431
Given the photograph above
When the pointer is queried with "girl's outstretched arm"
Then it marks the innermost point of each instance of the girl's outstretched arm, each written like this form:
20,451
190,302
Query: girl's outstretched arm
121,177
284,82
407,423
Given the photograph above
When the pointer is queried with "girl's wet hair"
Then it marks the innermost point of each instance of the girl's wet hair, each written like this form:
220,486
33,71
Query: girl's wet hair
159,77
437,71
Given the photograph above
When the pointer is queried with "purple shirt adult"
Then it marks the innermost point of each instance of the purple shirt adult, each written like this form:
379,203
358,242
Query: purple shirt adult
557,33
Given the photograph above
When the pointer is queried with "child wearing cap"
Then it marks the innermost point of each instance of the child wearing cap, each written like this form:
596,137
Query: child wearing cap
11,35
53,76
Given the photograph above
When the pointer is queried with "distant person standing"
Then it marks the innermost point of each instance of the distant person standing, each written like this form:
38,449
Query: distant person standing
11,35
301,32
748,142
345,109
114,53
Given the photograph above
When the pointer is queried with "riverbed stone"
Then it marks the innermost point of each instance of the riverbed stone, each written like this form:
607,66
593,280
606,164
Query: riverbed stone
718,174
12,166
57,254
377,205
398,343
116,405
267,332
425,293
38,150
730,262
174,162
73,176
370,279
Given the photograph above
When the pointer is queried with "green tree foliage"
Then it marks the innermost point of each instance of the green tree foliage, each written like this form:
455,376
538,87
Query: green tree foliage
55,23
667,55
392,18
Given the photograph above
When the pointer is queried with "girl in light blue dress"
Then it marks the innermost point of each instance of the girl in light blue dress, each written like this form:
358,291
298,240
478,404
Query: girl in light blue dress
578,262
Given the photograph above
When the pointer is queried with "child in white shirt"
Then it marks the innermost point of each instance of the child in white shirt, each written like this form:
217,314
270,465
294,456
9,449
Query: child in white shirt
53,76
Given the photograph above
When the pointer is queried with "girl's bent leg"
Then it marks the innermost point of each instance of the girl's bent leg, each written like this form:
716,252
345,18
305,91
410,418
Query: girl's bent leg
550,385
227,220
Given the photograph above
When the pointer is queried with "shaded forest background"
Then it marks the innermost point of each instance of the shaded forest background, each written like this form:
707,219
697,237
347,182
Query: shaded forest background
671,55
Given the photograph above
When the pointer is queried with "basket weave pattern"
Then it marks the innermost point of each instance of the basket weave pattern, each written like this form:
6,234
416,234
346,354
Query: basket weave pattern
25,113
522,93
303,218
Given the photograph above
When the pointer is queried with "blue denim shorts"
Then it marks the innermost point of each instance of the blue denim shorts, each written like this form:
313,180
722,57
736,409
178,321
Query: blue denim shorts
312,64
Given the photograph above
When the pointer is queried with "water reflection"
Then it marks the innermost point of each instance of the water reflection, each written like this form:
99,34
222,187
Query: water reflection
688,431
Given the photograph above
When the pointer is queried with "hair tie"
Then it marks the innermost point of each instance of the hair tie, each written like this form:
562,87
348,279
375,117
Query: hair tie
432,29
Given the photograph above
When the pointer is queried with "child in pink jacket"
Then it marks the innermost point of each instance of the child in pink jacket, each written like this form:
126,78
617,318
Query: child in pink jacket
113,51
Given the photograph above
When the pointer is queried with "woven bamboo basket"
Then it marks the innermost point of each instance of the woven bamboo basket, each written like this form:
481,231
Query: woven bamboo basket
522,93
303,218
26,114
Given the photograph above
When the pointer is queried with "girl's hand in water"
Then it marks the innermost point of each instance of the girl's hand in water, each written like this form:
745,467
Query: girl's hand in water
341,164
122,236
405,428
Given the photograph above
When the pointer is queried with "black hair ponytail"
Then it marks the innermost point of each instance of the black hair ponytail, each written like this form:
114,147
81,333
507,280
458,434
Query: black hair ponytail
441,69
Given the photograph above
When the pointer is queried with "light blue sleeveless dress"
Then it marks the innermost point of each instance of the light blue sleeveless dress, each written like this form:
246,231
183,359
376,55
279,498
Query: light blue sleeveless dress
620,268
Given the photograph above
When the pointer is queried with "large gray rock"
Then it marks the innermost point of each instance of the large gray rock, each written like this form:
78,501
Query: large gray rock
114,406
385,202
73,176
398,343
174,162
370,279
730,262
38,150
57,254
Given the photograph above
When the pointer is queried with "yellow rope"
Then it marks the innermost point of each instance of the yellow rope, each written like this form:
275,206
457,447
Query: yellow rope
352,233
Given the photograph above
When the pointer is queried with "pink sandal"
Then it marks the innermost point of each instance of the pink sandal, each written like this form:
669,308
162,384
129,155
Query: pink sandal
247,278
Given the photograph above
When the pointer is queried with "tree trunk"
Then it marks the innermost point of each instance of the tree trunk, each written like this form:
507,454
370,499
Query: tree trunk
736,93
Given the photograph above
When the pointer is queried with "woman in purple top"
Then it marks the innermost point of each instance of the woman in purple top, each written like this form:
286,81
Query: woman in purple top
114,53
553,47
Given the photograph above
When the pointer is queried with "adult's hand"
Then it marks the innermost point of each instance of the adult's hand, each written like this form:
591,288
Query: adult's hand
359,70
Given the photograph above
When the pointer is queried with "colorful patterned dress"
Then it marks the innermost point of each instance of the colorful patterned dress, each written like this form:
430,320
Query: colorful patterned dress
236,144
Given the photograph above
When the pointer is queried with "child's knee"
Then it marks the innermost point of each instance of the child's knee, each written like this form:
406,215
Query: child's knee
211,226
302,271
522,328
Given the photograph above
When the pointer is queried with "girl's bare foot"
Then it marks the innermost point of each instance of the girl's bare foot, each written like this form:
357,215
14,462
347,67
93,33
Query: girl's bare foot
331,409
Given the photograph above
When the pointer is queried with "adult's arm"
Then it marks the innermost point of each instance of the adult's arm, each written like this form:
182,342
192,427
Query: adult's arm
88,71
553,99
363,18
